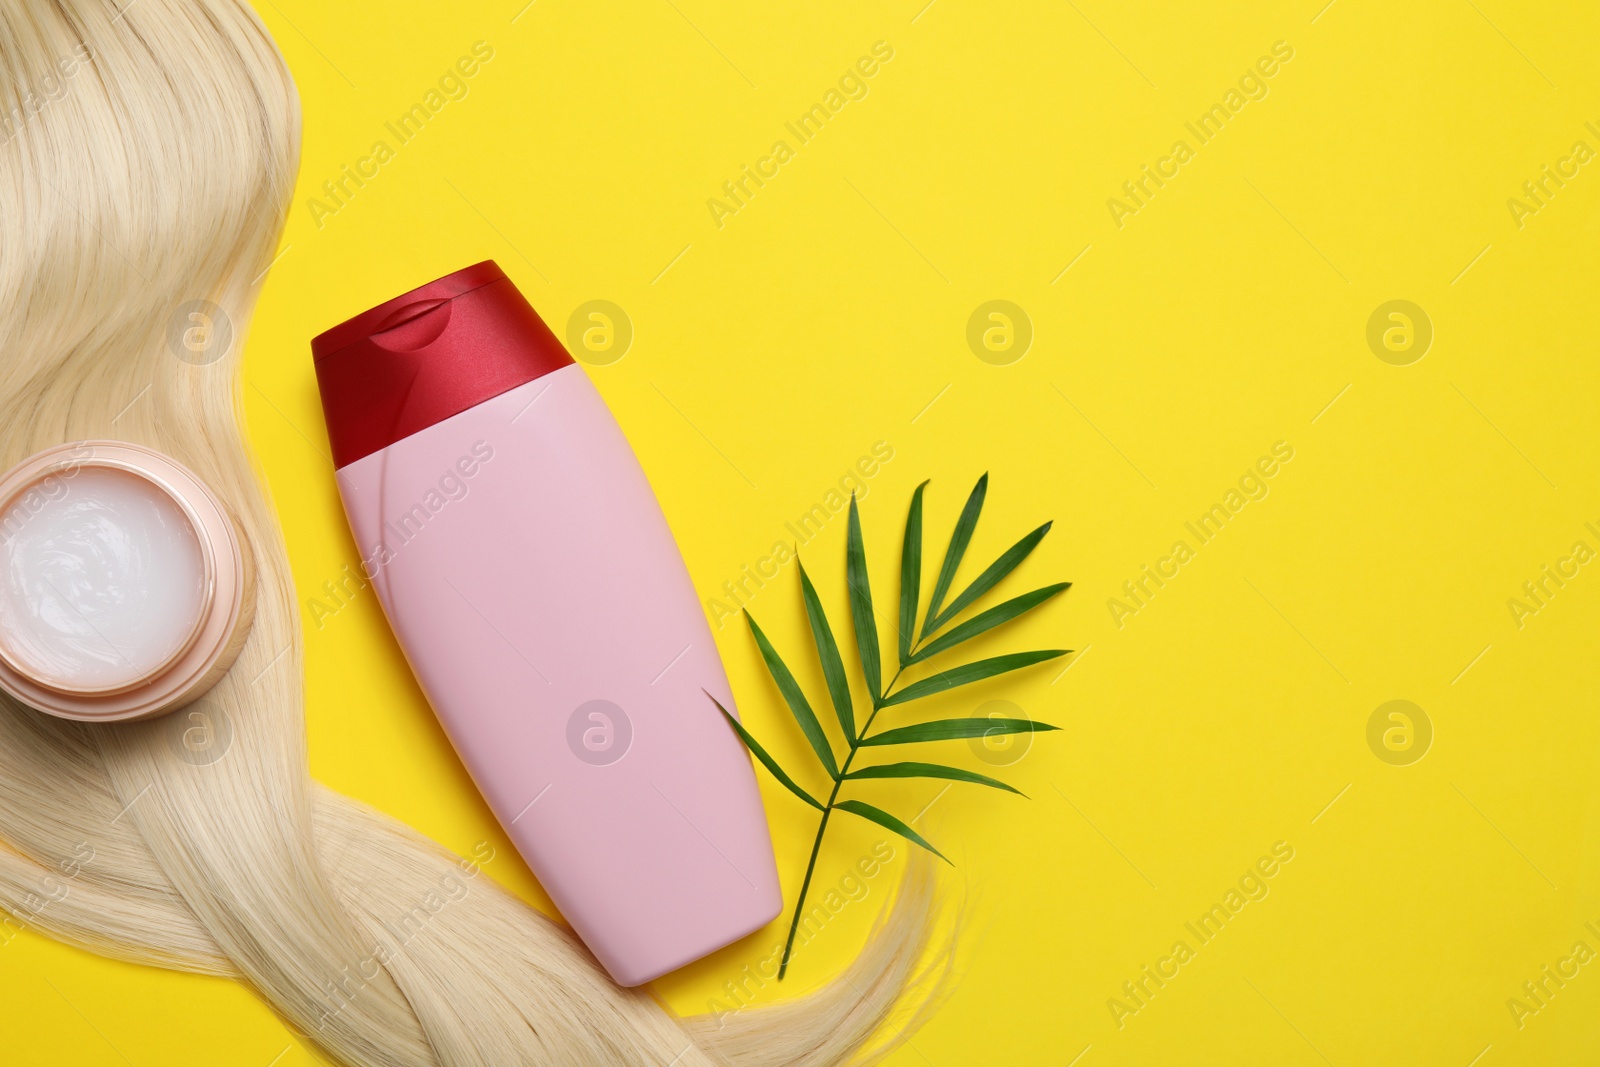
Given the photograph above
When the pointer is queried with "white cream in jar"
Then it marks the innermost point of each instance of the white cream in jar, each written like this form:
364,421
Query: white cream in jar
125,587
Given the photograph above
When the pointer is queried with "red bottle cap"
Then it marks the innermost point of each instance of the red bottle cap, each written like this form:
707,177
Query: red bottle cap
427,355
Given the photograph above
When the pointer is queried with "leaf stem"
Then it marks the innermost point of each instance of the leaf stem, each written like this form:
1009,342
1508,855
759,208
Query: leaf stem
805,887
816,846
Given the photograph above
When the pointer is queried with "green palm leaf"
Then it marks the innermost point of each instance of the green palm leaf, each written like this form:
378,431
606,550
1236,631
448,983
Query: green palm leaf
988,620
828,655
958,548
795,699
930,770
955,729
888,822
989,578
855,567
968,673
864,623
766,761
910,574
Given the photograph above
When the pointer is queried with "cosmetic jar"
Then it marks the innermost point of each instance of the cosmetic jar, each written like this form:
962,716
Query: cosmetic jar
126,587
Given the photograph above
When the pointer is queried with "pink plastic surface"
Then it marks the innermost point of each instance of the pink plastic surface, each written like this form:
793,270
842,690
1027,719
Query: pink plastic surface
538,594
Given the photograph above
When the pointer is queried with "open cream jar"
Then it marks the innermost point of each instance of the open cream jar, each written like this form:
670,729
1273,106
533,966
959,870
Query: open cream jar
126,589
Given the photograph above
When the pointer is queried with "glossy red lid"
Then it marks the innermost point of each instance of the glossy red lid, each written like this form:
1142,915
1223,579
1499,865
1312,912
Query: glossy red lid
427,355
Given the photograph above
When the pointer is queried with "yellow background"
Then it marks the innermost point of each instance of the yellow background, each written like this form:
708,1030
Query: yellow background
1228,314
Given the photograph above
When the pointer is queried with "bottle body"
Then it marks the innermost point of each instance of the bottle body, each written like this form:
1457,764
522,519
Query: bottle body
534,585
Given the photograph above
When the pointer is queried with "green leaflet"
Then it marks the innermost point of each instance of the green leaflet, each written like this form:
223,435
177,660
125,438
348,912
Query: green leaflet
988,620
766,761
855,569
930,770
954,729
989,578
888,822
910,574
958,548
968,673
795,699
828,655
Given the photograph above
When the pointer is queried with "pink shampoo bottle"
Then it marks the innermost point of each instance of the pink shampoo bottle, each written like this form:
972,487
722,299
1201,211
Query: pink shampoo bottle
536,590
